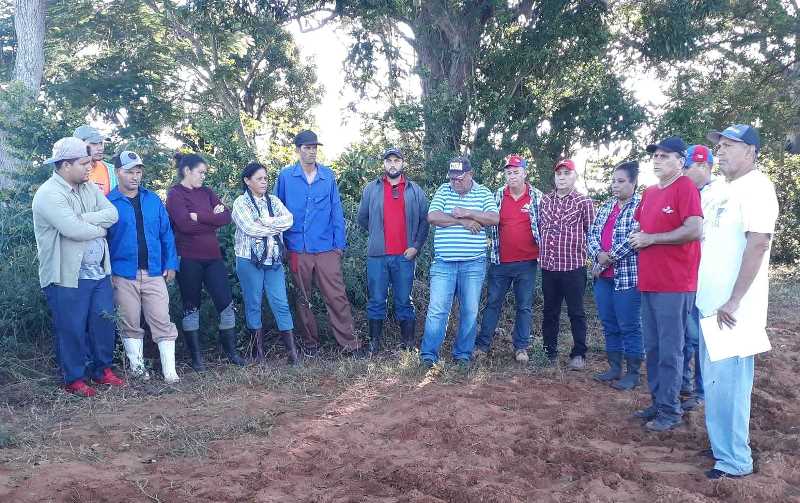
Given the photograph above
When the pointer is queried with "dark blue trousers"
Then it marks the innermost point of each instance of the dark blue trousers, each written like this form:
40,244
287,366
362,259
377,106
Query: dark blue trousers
83,325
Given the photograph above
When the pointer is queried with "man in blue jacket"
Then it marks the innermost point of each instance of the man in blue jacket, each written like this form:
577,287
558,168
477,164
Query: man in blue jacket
316,244
143,259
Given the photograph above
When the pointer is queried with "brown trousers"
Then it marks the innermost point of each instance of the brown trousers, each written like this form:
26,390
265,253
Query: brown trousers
146,294
324,269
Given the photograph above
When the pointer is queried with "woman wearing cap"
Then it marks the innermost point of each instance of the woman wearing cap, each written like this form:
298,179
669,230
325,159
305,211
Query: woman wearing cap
260,221
615,278
196,213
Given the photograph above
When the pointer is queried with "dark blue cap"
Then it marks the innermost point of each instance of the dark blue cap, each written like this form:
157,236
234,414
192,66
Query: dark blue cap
306,137
392,151
671,144
737,132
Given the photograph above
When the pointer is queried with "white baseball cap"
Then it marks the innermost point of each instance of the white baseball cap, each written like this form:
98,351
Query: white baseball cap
68,148
129,159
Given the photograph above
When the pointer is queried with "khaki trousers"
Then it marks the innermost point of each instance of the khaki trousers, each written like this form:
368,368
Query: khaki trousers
146,294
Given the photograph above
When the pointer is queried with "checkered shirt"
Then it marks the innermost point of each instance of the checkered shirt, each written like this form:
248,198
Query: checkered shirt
563,223
625,258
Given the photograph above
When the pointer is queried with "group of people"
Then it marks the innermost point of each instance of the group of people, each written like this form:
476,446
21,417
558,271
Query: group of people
108,245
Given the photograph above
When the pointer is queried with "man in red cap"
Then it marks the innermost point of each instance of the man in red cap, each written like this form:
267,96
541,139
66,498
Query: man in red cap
564,218
514,255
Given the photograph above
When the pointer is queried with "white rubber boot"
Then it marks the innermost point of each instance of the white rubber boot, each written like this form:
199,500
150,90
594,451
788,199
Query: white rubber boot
134,349
166,349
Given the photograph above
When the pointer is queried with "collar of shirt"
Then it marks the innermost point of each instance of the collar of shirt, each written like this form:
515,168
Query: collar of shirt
401,183
571,195
297,170
507,191
65,184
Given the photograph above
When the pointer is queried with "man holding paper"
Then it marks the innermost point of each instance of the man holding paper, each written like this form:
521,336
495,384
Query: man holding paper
732,297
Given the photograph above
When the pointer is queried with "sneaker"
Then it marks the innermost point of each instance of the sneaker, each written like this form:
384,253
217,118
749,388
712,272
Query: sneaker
691,403
648,413
662,423
577,363
80,388
521,356
714,474
109,378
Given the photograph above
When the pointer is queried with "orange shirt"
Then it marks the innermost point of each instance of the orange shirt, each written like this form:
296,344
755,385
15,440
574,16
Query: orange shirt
99,175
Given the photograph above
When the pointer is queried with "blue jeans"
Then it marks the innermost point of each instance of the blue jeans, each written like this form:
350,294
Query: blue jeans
728,386
619,313
464,278
501,276
691,351
664,318
255,282
394,270
83,326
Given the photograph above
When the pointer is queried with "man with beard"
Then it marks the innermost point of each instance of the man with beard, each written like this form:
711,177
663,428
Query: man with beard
394,211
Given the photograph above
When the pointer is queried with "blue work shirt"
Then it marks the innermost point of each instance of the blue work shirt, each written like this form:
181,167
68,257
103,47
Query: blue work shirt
317,209
122,241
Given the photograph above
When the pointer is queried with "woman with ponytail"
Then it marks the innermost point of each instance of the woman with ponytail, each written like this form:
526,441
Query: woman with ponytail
260,220
196,213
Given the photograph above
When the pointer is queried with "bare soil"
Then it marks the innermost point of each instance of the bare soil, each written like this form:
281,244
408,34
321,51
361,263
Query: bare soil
387,432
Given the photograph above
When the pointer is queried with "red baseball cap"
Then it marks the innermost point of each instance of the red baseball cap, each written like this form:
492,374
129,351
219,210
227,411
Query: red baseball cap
565,163
698,153
515,161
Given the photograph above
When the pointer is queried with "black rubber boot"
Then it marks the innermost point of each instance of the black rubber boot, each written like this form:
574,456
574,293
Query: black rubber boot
227,338
407,338
257,341
193,344
375,335
287,337
615,370
632,377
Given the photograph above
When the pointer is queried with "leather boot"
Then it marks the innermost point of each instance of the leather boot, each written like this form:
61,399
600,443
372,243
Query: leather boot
375,335
615,370
287,337
631,378
407,338
193,344
257,340
227,338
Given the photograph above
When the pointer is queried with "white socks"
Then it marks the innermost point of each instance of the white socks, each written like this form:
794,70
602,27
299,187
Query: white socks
134,349
166,349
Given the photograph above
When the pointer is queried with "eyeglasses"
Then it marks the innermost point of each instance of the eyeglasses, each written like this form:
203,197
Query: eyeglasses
458,178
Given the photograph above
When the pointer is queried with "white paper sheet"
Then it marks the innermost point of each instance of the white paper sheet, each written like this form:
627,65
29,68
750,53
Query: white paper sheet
742,340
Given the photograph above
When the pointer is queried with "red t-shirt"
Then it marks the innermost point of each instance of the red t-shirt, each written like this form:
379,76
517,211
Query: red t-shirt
516,236
607,238
395,240
669,268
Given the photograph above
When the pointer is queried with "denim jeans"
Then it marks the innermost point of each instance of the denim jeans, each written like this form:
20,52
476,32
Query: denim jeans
691,352
728,388
83,326
255,282
464,278
664,318
394,270
522,275
557,287
619,313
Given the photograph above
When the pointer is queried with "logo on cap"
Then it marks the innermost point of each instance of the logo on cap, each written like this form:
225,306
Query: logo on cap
456,166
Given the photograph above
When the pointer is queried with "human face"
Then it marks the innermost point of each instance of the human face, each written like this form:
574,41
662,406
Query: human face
307,154
257,183
129,179
622,187
77,171
565,179
735,157
393,166
96,150
462,183
515,177
193,178
666,165
699,173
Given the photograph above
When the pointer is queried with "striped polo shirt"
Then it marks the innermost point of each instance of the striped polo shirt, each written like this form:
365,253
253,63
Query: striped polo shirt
455,242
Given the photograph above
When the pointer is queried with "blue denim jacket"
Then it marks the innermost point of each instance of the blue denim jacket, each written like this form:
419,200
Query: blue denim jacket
122,243
317,209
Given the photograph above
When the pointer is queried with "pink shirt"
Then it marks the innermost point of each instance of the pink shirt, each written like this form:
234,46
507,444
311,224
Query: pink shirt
606,236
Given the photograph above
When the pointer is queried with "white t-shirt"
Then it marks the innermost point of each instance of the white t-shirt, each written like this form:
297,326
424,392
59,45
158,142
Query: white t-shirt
747,204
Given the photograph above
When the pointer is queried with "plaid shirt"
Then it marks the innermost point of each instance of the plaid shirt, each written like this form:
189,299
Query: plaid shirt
563,222
254,225
494,233
624,257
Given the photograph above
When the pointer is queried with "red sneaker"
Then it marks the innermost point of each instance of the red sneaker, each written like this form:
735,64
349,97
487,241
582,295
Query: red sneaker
80,388
109,378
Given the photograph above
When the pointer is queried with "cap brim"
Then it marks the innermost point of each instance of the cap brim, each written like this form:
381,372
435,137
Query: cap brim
309,143
131,165
97,139
51,160
386,156
651,148
715,136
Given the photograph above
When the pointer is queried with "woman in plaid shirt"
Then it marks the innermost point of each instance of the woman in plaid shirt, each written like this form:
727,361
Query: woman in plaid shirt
615,278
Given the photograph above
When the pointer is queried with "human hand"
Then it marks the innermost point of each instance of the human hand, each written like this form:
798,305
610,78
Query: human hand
410,253
219,209
471,225
725,316
641,240
169,275
193,216
603,258
460,212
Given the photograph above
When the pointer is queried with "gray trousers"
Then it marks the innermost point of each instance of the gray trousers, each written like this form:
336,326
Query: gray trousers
664,319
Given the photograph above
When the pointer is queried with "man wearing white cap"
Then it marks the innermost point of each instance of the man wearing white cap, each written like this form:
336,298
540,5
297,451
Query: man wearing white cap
143,259
70,221
100,172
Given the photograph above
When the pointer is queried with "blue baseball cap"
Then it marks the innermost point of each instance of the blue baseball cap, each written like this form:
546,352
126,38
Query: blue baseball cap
392,151
738,132
698,153
671,144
